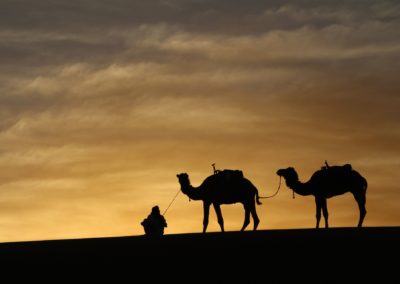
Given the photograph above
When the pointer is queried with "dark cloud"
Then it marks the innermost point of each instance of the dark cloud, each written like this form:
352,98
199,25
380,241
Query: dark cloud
52,33
209,16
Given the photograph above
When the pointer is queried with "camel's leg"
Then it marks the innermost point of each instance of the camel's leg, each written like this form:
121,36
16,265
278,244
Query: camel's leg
256,220
217,209
246,217
318,212
206,207
325,211
360,198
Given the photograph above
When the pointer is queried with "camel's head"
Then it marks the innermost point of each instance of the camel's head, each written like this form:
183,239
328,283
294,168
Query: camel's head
183,179
288,173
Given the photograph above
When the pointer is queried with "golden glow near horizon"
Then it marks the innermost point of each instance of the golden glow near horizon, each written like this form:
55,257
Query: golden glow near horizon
101,108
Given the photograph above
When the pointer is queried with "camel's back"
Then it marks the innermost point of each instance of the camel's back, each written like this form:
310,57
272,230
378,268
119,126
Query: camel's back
230,175
224,177
229,186
333,172
338,180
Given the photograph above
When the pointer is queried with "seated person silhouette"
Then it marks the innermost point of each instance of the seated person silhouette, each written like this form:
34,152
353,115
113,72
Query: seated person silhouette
155,223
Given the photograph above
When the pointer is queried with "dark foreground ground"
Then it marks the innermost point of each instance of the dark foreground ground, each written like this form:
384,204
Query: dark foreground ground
270,256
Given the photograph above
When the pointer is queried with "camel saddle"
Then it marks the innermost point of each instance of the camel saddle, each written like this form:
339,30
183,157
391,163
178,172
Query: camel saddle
347,168
229,175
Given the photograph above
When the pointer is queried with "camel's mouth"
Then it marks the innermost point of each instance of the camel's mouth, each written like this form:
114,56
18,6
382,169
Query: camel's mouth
279,172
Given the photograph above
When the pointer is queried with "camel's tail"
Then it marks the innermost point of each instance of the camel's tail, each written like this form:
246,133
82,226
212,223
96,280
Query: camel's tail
258,198
365,184
360,181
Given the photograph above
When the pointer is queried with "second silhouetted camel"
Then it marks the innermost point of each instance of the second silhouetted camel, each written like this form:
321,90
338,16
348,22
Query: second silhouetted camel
225,187
326,183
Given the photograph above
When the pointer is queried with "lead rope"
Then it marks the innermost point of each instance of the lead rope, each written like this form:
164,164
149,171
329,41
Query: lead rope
173,199
279,186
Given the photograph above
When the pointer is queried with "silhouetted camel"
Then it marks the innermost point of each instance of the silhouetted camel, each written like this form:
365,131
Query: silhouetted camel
326,183
224,187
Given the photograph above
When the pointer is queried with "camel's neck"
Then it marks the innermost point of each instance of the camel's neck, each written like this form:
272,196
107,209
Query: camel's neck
194,193
299,187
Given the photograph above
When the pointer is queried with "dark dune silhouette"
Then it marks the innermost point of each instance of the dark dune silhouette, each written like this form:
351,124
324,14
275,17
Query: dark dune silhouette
328,182
339,254
224,187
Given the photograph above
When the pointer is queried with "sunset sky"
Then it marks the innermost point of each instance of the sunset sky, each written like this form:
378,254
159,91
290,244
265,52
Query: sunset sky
103,102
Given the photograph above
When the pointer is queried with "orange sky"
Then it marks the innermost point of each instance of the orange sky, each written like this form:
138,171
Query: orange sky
102,103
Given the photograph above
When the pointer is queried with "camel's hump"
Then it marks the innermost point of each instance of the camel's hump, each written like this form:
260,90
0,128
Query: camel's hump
227,175
334,170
